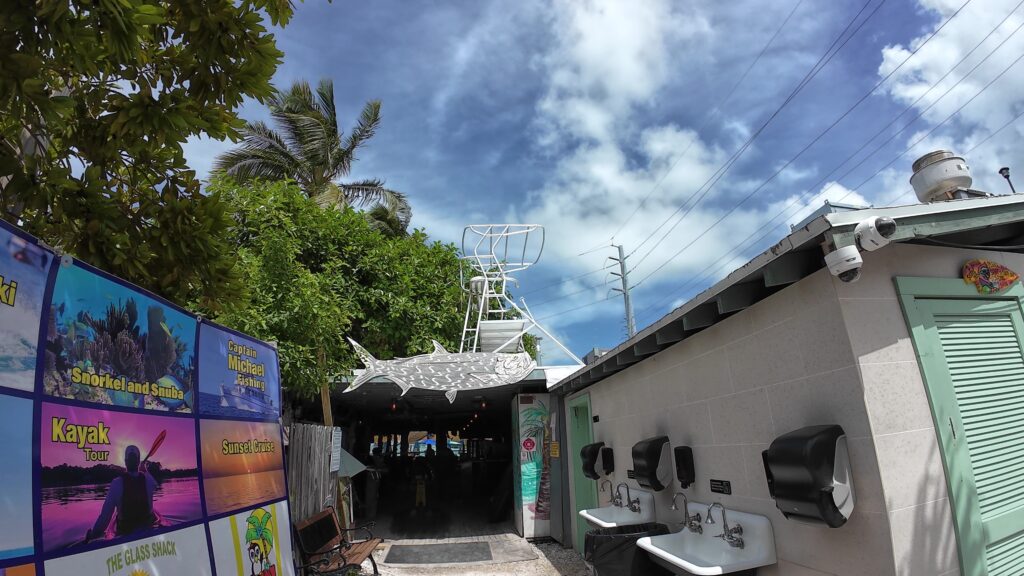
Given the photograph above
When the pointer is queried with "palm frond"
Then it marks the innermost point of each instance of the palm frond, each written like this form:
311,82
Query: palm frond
325,102
262,154
297,99
369,120
392,215
311,139
370,192
330,197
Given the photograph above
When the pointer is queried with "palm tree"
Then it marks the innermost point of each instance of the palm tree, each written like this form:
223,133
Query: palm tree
309,148
390,217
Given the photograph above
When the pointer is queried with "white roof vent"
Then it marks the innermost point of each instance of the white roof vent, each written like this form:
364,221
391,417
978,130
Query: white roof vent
940,176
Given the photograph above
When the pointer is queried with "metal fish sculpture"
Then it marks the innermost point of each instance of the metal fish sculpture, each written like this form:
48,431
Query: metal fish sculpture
988,276
446,371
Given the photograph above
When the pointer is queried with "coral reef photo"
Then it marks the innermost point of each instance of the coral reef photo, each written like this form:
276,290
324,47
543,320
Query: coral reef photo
112,345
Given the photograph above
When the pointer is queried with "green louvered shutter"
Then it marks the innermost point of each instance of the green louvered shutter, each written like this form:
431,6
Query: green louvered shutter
978,343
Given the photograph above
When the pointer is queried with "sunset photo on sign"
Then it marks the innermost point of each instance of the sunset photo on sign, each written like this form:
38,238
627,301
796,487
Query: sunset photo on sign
243,464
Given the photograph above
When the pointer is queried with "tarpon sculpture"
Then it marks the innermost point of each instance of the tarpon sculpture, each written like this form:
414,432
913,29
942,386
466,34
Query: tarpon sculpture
446,371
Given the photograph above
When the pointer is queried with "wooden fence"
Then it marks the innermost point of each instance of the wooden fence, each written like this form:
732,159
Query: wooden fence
311,485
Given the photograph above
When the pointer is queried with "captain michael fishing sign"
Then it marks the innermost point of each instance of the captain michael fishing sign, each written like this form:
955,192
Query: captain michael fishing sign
238,376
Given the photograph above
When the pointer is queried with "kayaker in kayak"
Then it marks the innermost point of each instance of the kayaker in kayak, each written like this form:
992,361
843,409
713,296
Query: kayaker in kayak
131,494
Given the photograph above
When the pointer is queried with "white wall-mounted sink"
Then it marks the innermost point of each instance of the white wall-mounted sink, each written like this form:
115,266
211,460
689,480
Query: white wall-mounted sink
612,516
687,552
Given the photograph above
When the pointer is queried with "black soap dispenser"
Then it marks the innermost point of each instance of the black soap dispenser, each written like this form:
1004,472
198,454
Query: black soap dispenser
684,466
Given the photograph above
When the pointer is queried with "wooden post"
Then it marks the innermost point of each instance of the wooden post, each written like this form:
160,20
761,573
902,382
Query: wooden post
325,400
325,392
344,493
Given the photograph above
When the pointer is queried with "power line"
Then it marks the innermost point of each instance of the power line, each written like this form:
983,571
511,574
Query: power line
708,117
825,58
892,200
807,147
577,277
901,154
679,157
580,307
799,198
889,125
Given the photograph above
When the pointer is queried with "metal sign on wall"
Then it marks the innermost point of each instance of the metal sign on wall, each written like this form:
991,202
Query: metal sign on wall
139,440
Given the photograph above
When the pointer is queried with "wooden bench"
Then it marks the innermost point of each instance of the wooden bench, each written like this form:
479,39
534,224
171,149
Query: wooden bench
327,551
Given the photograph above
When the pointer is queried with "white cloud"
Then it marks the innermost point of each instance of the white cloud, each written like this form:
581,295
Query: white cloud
989,111
608,58
610,63
832,192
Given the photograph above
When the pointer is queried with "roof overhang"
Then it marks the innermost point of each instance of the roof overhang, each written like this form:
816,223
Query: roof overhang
985,223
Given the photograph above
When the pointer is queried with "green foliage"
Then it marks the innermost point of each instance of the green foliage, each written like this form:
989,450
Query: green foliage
97,98
310,148
316,275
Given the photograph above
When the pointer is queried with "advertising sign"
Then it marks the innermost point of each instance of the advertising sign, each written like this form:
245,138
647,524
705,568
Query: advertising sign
109,475
24,267
179,552
239,376
243,464
16,478
138,441
114,345
253,543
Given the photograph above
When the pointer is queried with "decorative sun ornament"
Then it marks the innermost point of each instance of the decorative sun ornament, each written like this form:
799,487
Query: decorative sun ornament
988,276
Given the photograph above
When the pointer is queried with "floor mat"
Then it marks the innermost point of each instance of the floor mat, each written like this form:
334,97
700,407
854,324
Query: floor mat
439,553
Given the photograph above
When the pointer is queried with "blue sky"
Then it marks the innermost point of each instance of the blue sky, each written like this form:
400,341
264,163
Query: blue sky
570,113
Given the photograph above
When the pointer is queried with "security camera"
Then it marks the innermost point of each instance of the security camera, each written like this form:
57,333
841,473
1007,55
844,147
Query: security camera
873,233
845,263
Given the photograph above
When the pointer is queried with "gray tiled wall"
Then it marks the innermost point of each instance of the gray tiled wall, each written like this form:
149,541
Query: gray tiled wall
913,480
785,363
820,351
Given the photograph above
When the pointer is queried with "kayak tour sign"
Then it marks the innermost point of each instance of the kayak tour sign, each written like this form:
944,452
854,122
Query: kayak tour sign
140,439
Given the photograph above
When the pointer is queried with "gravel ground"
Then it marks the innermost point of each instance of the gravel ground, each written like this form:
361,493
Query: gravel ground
552,560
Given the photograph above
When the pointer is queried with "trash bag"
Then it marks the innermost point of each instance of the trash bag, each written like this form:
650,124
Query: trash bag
613,551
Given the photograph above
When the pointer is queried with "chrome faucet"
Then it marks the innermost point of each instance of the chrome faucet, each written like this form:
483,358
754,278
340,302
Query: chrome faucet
691,522
605,482
730,535
617,498
632,503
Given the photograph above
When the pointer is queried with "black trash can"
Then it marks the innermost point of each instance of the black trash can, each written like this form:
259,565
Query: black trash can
613,551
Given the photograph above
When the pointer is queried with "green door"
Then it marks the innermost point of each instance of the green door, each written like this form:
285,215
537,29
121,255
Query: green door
970,350
580,434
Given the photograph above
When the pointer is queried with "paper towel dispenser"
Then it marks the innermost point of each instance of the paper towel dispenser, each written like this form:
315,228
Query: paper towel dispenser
808,472
651,464
598,460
